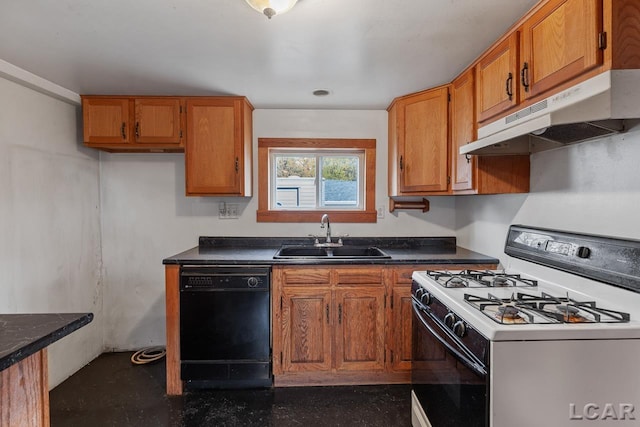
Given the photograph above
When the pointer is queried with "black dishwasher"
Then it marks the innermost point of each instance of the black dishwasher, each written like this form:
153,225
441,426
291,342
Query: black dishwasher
225,339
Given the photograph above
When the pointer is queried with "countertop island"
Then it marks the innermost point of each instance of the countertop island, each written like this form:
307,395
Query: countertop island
24,383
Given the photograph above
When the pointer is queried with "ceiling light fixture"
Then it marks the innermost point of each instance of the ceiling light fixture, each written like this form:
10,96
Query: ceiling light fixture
271,7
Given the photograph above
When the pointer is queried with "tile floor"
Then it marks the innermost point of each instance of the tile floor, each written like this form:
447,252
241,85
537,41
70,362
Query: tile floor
111,391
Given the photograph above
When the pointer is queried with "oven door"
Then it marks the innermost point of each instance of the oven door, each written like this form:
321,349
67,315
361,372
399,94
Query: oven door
449,382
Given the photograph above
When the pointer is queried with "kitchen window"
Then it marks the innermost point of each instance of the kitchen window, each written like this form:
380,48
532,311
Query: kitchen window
300,179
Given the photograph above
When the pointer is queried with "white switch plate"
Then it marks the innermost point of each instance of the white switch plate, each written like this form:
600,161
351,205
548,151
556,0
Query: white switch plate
380,211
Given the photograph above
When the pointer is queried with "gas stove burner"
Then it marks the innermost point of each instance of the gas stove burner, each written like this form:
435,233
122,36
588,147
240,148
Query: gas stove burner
567,309
501,281
509,314
508,311
456,282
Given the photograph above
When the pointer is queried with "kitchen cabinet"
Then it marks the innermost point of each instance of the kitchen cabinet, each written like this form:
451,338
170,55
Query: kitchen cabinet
400,313
418,143
133,124
328,324
479,174
497,79
463,130
559,42
218,149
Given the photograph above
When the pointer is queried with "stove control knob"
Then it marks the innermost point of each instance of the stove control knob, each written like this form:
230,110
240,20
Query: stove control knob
459,328
583,252
252,282
450,319
425,298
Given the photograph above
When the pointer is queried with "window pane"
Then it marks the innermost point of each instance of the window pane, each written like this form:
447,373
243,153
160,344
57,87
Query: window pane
340,176
295,182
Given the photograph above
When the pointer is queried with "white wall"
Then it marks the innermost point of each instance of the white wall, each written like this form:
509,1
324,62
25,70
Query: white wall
592,187
146,217
49,220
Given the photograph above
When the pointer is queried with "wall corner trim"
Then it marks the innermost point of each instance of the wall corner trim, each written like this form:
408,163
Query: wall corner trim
32,81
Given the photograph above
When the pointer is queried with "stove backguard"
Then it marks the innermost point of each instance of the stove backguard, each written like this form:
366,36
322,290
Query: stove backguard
610,260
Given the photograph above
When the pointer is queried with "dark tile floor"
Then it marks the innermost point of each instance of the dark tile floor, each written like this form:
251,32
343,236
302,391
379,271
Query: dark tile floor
111,391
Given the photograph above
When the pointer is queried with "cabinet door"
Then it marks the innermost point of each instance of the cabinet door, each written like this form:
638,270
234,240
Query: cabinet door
423,142
462,131
560,42
213,151
400,329
106,120
157,120
497,79
306,329
359,330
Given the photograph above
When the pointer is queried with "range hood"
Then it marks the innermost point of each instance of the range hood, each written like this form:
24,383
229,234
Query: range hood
592,109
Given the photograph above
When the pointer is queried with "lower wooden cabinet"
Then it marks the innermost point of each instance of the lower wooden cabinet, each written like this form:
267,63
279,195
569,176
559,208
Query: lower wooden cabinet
344,324
399,335
329,325
305,329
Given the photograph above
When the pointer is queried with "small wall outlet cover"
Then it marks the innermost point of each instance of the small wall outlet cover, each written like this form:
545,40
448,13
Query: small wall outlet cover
380,211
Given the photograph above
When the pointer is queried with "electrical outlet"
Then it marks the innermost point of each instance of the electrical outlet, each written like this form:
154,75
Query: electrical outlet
380,211
227,211
232,211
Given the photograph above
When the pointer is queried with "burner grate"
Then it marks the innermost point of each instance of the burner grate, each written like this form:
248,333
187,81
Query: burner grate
524,308
479,279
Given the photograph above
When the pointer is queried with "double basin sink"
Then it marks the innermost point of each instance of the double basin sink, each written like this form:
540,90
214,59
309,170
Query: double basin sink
338,252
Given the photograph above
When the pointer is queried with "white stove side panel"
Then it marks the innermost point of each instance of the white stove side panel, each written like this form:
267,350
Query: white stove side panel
585,383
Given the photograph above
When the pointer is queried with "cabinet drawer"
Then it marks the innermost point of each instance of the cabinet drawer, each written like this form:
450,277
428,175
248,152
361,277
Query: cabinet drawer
360,276
402,275
306,276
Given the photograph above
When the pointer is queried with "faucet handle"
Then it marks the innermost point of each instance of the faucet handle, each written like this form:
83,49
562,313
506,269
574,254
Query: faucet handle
316,238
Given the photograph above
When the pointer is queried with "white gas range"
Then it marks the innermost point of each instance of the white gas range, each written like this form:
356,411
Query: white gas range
502,349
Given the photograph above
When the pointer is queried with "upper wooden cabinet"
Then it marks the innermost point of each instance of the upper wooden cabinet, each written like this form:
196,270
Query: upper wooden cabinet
560,41
158,120
497,77
122,124
462,130
479,174
218,147
418,143
106,120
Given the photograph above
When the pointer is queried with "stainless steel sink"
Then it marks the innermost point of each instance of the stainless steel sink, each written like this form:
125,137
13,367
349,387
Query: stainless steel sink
341,252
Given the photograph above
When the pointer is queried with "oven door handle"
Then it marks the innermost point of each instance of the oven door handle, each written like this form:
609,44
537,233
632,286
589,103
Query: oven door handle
467,360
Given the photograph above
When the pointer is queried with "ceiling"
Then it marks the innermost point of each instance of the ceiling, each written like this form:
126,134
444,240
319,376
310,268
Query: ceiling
365,52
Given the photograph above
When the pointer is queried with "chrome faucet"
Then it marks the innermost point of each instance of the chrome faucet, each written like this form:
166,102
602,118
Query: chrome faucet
325,220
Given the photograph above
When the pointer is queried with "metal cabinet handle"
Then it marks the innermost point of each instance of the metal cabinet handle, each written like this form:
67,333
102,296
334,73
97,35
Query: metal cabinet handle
137,129
401,163
524,76
123,131
237,164
327,309
339,313
509,86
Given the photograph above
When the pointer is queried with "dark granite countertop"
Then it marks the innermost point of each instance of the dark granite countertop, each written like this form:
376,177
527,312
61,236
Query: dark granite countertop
260,250
22,335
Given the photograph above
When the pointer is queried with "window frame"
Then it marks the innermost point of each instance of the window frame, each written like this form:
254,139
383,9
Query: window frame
266,214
